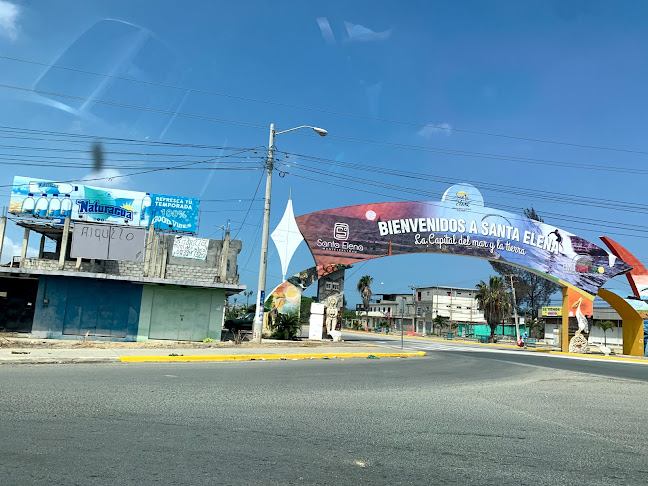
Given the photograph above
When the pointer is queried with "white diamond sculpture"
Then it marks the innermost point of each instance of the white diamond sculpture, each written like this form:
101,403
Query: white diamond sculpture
287,237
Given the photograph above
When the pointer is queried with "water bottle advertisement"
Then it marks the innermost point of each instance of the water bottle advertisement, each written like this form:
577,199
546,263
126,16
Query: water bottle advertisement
40,198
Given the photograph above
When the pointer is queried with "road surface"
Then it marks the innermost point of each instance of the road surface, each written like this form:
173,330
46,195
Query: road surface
448,418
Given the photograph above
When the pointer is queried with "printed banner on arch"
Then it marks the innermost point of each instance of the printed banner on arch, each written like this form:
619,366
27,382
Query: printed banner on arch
459,224
41,198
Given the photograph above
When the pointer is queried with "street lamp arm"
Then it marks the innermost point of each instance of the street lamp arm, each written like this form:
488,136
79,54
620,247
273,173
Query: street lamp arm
319,131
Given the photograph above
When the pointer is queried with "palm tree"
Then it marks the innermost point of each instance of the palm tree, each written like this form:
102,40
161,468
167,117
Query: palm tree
493,299
605,327
364,287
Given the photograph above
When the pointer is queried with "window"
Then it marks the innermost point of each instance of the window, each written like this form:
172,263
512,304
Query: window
328,286
335,285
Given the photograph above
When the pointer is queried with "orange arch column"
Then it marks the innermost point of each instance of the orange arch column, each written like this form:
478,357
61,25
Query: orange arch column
574,301
632,323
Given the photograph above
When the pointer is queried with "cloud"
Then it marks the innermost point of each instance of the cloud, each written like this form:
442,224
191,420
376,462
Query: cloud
360,33
325,29
11,249
8,17
429,131
111,178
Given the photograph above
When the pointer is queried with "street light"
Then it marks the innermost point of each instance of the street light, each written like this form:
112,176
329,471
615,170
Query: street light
257,327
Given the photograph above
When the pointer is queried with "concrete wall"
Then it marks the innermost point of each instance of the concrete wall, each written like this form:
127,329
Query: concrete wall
177,313
614,336
69,307
173,268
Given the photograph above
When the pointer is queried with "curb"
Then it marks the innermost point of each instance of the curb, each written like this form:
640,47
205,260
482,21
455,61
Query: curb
264,357
58,361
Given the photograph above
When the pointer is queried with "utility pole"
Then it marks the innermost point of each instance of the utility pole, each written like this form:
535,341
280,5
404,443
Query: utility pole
515,314
401,305
257,326
414,308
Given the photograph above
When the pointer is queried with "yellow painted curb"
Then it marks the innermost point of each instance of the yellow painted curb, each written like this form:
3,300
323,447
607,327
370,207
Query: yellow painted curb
263,357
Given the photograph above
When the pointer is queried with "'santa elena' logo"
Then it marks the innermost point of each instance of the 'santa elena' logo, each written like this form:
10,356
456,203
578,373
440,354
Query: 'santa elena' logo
341,231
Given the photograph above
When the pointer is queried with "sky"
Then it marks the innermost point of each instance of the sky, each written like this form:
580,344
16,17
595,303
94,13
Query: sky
538,104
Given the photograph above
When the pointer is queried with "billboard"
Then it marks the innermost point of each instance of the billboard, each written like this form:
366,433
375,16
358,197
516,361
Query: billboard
551,311
49,199
459,224
108,242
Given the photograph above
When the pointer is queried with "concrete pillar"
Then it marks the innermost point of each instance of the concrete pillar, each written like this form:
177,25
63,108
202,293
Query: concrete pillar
154,257
222,271
77,267
3,226
164,263
64,243
148,250
23,253
41,248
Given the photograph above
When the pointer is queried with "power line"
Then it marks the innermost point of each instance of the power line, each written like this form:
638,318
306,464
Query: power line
411,190
142,172
328,112
486,155
134,107
499,188
113,140
328,182
348,139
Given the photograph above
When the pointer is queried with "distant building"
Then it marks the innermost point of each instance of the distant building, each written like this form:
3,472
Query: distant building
423,305
552,319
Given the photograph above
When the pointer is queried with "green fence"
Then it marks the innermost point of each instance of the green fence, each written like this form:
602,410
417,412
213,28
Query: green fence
474,330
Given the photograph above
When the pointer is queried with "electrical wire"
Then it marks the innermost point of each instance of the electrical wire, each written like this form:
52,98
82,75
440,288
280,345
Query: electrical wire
328,182
328,112
498,188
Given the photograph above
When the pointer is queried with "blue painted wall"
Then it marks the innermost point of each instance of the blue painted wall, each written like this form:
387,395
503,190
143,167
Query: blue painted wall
70,307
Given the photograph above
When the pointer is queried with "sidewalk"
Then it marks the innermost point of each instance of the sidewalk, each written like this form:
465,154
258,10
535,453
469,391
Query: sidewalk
14,351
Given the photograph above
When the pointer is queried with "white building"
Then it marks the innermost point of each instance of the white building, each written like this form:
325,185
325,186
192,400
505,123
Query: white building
423,305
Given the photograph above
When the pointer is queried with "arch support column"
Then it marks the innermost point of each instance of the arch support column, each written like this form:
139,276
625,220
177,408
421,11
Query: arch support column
632,323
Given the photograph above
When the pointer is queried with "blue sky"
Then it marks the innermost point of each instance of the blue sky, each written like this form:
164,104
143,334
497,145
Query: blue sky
573,72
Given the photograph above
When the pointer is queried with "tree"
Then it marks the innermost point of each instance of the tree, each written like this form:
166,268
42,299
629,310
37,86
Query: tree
304,309
438,321
364,287
532,291
493,299
605,326
285,326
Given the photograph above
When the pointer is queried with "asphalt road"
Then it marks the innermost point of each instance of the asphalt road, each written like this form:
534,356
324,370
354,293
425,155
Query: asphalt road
449,418
515,356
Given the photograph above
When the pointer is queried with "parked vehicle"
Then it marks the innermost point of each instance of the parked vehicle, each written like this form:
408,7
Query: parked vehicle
240,324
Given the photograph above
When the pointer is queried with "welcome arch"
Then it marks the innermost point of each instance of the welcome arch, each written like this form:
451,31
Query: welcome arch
458,224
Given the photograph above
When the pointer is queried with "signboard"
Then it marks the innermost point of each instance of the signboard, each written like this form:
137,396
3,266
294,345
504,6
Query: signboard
552,312
54,200
189,247
108,242
459,224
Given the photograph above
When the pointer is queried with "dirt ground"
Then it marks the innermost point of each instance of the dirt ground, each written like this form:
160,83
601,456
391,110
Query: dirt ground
16,340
